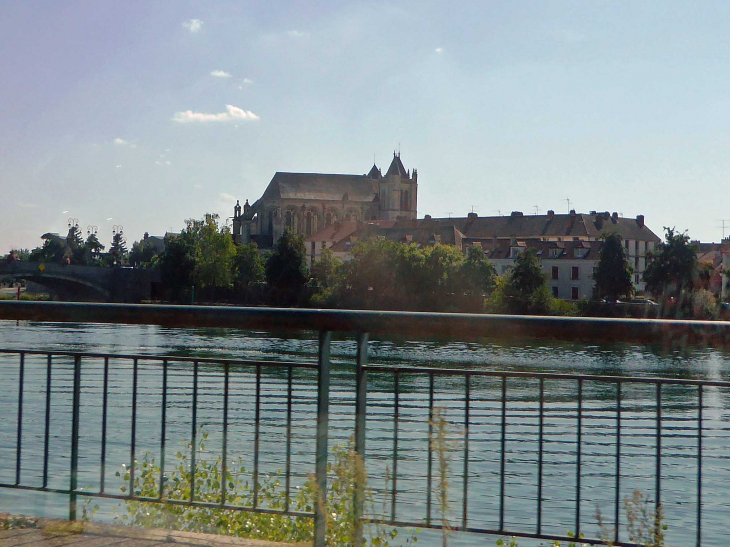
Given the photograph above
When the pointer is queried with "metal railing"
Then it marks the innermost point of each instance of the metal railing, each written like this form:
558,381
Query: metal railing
486,399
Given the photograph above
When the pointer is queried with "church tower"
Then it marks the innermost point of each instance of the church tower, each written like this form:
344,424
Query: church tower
398,192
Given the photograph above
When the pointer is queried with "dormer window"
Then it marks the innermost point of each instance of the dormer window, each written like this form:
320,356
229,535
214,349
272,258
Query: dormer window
580,253
555,253
515,252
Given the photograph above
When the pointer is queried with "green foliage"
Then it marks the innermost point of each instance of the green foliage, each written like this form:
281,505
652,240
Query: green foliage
524,289
645,525
672,266
346,471
613,277
286,269
201,255
92,250
327,271
704,305
19,254
478,273
53,250
558,306
248,265
526,278
177,264
383,274
143,255
214,252
117,255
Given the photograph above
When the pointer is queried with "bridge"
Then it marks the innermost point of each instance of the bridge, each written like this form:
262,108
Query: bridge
86,283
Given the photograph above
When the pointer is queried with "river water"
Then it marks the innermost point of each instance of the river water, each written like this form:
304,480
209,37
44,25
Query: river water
679,421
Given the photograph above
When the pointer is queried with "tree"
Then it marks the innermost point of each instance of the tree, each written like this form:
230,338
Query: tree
526,289
92,248
176,266
53,250
672,266
18,254
478,274
118,250
143,254
248,266
214,253
327,272
369,280
286,269
527,276
613,276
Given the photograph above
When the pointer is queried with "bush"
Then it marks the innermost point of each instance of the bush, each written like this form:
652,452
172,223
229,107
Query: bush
346,470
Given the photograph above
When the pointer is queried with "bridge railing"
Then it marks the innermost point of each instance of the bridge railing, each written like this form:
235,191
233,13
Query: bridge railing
435,432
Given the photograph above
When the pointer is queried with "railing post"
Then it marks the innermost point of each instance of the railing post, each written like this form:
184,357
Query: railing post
361,395
323,394
75,438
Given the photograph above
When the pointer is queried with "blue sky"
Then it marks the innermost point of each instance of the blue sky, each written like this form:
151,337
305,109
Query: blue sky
147,113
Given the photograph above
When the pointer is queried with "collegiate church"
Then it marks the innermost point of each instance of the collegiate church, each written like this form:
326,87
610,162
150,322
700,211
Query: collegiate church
306,203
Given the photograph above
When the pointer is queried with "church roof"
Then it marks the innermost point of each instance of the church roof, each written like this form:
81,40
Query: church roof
319,186
375,173
396,167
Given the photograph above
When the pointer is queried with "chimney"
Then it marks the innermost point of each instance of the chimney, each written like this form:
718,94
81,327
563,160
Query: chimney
640,220
516,214
472,216
427,217
599,222
550,214
614,217
146,235
572,213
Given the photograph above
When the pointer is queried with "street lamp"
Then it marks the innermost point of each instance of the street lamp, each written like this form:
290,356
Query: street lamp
73,222
118,228
90,229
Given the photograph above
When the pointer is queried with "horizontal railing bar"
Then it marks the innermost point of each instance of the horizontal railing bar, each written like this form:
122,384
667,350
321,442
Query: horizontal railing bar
164,501
496,532
168,358
383,369
450,325
546,376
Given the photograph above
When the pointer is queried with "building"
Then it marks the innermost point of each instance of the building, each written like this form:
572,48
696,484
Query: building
568,265
638,239
307,203
565,242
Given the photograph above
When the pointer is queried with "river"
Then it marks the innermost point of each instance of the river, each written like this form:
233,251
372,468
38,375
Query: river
679,420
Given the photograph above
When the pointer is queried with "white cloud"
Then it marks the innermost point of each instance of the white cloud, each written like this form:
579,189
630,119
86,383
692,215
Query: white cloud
194,25
297,34
220,74
232,113
120,142
439,50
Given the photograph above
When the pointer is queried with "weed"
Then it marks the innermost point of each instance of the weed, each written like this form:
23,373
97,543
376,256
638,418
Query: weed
346,471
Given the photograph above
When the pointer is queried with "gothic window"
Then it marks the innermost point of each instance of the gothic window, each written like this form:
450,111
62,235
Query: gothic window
315,223
406,201
308,227
288,220
270,230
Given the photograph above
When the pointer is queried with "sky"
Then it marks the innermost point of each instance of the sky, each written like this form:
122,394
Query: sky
143,114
